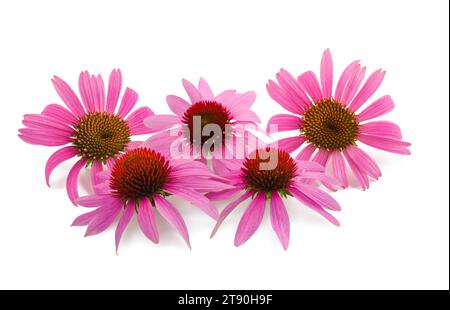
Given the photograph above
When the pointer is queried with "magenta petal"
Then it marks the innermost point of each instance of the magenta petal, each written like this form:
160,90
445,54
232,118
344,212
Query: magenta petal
379,107
386,144
310,166
326,74
283,122
168,211
97,200
205,90
360,176
310,84
292,89
96,167
318,196
195,198
192,91
40,139
290,144
280,96
338,168
251,219
343,80
161,122
136,121
223,195
57,158
114,87
177,105
384,129
146,220
364,161
104,218
355,80
60,113
72,180
306,152
123,222
371,85
68,96
86,218
279,219
129,99
86,92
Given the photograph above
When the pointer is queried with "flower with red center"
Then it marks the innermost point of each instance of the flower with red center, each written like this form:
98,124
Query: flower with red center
331,125
95,132
271,174
229,110
141,181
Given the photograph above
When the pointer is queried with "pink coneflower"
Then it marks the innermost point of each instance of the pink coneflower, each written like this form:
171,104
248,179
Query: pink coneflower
330,125
284,179
141,180
228,109
96,133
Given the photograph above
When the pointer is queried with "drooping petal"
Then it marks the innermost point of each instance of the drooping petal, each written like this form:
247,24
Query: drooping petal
338,168
279,219
363,161
379,107
370,87
57,158
68,96
386,144
360,176
309,166
321,157
106,216
97,200
205,90
318,196
96,167
114,87
192,91
161,142
384,129
136,121
177,105
326,74
251,219
283,122
306,152
72,180
146,220
86,218
127,215
168,211
161,122
310,84
129,99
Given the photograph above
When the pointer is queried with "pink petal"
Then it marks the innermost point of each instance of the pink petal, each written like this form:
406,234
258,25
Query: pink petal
136,121
44,122
192,91
146,220
279,219
290,144
309,166
60,113
41,132
313,205
86,92
114,87
68,96
386,144
384,129
379,107
370,87
242,101
195,198
343,80
124,221
168,211
246,116
177,104
284,122
306,152
251,219
199,184
280,96
160,142
42,139
223,195
104,218
129,99
364,161
360,176
161,122
318,196
326,74
97,200
338,168
293,89
321,157
310,84
57,158
86,218
227,97
100,93
205,90
228,209
96,167
356,78
72,180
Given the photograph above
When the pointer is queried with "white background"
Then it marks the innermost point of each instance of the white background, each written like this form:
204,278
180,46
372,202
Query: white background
393,236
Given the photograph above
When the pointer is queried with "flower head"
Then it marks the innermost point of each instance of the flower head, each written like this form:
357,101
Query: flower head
95,132
270,174
141,181
330,126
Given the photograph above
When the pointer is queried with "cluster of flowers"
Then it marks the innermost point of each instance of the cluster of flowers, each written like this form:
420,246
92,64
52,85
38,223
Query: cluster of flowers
208,149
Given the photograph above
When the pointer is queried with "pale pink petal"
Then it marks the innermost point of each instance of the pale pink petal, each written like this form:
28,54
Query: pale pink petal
57,158
87,92
240,102
370,87
124,221
161,122
318,196
384,129
129,99
146,220
246,115
386,144
218,167
279,219
338,168
345,76
195,198
114,87
192,91
310,84
72,180
325,179
177,104
226,97
160,142
379,107
168,211
309,166
97,200
313,205
60,113
223,195
68,96
136,121
364,161
356,78
283,122
279,95
326,74
290,144
251,219
306,152
205,90
360,176
104,218
293,89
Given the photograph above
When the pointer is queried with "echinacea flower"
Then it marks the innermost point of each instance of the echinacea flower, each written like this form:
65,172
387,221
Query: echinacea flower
95,132
141,181
331,124
228,110
281,177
